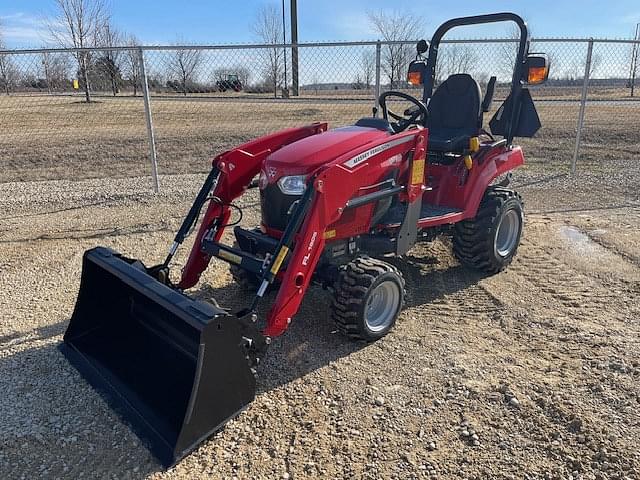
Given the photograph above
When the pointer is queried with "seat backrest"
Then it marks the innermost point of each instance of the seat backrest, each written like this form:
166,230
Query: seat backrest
455,105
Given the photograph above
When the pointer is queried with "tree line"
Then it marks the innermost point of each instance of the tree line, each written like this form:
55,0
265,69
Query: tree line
81,24
87,24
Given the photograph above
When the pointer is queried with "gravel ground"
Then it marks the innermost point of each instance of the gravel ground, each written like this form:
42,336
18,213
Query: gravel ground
533,373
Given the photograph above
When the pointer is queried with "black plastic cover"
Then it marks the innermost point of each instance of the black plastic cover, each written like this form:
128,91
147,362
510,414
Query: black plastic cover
527,123
276,207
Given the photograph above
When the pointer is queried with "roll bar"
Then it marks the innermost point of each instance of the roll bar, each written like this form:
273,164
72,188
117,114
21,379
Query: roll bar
518,70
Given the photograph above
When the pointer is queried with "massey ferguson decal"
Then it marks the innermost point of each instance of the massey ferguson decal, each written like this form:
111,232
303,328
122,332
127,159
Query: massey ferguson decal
358,159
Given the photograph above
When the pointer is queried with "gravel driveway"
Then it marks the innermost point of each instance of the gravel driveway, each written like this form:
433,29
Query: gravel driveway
533,373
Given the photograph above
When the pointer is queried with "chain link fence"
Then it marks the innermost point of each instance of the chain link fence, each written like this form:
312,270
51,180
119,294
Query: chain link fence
175,107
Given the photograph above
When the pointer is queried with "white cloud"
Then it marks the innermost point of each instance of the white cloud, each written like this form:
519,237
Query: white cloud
20,29
353,26
633,18
11,16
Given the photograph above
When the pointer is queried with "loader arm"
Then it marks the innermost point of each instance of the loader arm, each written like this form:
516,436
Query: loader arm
236,169
334,186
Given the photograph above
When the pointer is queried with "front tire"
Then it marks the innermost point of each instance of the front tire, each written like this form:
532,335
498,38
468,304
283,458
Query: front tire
489,241
368,298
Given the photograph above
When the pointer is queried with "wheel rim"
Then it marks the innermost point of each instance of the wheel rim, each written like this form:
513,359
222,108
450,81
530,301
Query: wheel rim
381,306
507,233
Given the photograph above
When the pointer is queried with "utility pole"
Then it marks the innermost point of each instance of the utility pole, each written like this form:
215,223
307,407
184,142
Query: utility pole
634,59
285,90
294,50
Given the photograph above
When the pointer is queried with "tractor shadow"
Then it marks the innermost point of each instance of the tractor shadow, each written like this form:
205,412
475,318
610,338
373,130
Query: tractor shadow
311,341
428,280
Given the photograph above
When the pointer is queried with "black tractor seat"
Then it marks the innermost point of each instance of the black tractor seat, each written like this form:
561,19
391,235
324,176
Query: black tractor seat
455,114
443,141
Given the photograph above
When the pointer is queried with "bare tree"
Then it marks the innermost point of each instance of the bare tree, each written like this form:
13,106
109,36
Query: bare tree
368,64
357,84
8,72
573,71
596,63
46,65
77,24
184,64
455,58
394,27
109,60
268,27
219,79
56,68
219,74
482,78
507,53
576,69
244,74
131,63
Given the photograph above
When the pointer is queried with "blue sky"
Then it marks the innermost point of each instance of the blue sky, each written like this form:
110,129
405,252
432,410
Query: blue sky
209,21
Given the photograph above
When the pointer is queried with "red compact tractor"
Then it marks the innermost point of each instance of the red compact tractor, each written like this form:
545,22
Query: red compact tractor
335,204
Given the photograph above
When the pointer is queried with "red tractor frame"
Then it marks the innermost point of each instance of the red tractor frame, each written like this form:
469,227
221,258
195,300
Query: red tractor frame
431,191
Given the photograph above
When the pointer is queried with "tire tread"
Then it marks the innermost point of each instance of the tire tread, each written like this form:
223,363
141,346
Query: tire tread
355,280
472,240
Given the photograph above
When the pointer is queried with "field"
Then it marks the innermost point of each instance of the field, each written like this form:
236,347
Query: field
558,331
60,137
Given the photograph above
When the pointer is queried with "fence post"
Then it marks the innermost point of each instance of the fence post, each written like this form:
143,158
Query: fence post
153,155
583,104
377,91
634,59
295,84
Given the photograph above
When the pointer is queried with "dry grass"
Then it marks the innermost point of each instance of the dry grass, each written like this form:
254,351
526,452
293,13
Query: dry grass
60,138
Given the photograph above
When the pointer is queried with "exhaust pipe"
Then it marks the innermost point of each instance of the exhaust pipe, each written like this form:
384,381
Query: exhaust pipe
175,368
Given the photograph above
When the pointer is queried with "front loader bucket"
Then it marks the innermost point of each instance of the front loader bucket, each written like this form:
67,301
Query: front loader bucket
176,369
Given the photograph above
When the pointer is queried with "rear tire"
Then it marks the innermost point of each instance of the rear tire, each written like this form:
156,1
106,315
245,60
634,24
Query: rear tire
489,241
368,298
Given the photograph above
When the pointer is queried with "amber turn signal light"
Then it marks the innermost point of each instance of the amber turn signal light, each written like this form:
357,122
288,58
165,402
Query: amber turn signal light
414,78
537,75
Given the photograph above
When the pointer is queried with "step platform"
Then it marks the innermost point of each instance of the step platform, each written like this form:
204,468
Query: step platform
394,216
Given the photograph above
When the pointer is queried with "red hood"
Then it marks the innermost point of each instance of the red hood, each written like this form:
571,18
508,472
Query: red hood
305,155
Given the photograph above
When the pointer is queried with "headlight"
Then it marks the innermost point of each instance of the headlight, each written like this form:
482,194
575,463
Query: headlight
293,185
263,180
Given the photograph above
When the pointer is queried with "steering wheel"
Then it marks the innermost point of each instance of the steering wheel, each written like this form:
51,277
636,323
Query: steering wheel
419,110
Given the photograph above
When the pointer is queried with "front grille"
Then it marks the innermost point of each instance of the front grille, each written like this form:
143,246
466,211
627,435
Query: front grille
274,206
